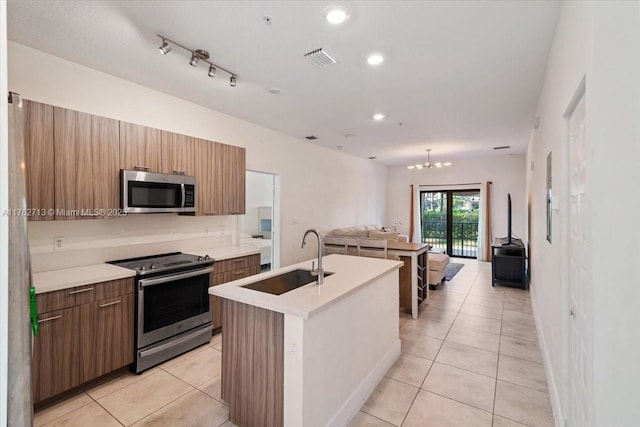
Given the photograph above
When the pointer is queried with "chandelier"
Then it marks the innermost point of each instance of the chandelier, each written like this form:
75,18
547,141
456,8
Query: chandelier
429,164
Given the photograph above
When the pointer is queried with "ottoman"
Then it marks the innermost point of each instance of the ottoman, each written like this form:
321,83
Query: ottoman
437,268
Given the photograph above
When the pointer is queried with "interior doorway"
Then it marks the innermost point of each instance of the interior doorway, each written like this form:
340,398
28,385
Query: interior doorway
449,220
258,228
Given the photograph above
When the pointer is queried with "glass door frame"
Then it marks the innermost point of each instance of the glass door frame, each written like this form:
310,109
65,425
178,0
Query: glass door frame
449,219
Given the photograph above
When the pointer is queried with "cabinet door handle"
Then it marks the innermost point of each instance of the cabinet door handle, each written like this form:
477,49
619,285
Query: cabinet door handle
49,319
179,172
141,168
239,260
239,272
110,303
211,213
79,291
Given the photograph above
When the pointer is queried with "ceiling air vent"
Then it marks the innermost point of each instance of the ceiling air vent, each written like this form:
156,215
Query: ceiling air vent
502,147
311,137
321,57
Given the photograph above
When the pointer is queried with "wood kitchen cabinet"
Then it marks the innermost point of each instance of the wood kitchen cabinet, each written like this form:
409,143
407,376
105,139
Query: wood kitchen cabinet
86,163
38,142
209,197
56,353
233,179
229,270
140,147
178,154
106,335
85,332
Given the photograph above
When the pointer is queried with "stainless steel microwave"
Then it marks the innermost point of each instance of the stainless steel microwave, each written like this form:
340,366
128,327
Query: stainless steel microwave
148,192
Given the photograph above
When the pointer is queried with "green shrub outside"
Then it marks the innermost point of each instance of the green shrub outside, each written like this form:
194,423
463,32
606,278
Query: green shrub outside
433,224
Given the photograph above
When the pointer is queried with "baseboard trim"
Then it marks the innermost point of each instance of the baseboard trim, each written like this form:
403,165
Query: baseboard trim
556,405
360,395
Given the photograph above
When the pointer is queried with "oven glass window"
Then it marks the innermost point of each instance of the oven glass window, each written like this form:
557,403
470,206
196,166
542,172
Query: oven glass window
154,195
174,301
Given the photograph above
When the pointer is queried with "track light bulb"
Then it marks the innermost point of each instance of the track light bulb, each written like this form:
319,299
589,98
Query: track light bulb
233,81
212,71
165,48
194,60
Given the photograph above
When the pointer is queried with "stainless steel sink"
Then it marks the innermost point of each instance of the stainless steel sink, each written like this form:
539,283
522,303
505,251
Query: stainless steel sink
284,282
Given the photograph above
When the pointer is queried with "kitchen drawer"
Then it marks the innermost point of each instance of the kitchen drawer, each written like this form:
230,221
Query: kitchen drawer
70,297
237,263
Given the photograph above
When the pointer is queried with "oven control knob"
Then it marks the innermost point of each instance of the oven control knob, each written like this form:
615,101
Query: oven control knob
153,266
200,259
207,257
144,267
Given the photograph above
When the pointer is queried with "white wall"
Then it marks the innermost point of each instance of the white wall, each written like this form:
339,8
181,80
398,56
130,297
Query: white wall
259,194
506,172
599,40
320,188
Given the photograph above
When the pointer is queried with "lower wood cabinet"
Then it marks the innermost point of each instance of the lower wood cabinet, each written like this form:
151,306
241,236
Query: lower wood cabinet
227,271
106,336
56,353
85,333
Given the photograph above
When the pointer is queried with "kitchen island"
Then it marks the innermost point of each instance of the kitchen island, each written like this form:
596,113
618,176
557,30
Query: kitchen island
311,356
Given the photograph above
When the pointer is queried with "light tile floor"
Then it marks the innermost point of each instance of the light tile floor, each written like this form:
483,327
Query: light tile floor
470,359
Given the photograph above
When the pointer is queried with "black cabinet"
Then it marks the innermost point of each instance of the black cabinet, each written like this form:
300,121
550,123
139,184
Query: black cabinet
509,264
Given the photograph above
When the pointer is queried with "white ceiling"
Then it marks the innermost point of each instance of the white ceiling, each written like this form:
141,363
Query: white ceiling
459,77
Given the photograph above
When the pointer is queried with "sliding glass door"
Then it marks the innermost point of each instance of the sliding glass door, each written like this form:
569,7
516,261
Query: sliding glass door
450,221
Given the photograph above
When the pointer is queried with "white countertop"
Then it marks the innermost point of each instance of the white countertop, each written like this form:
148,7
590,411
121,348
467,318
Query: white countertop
225,252
351,273
56,280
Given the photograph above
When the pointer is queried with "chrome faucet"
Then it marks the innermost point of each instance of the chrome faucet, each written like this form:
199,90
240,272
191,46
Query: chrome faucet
319,271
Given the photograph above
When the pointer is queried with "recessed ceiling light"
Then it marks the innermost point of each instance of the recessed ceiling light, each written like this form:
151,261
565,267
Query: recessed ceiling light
378,116
274,90
336,14
375,59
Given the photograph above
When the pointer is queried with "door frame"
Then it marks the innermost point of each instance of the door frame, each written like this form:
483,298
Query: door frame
449,232
275,218
565,251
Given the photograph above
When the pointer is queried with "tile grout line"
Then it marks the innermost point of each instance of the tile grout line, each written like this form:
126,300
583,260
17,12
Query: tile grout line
438,352
106,410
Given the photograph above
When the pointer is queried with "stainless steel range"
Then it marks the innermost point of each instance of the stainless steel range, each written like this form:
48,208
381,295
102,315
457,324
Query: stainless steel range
172,300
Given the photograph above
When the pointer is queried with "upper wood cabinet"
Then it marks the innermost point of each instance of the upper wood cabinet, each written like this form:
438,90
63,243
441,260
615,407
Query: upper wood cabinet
178,153
86,163
38,142
220,170
208,192
73,162
140,147
233,179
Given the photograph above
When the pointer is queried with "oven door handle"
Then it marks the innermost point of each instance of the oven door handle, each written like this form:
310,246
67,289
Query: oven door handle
173,277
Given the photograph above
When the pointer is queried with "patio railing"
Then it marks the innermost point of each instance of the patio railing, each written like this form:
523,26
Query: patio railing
464,239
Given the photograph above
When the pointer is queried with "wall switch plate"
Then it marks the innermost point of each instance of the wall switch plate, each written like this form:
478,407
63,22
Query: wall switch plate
58,243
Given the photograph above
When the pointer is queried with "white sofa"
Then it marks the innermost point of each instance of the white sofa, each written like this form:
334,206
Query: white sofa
373,231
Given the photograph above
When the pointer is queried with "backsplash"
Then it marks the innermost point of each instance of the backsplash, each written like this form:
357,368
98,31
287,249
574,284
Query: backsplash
85,242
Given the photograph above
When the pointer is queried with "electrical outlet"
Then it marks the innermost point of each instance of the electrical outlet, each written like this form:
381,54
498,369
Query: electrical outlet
222,230
58,243
292,350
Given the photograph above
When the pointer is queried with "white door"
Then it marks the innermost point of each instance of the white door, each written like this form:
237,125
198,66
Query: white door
580,283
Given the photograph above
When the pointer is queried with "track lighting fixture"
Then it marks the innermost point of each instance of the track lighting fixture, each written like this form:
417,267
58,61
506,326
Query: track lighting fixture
197,55
165,48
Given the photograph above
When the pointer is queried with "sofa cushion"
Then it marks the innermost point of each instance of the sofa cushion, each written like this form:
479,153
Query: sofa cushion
338,232
372,227
377,234
357,233
438,262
